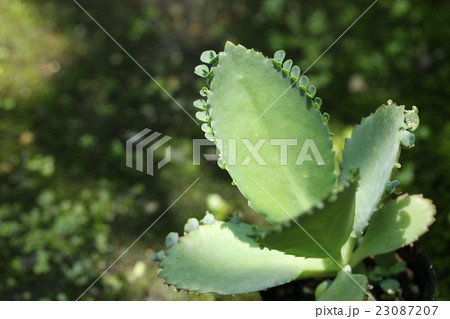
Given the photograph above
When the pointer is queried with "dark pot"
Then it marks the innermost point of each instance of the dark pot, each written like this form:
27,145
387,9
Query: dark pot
418,282
302,290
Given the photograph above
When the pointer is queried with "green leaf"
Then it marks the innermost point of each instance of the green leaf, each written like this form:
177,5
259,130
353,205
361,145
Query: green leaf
204,91
278,56
398,223
304,81
373,149
287,65
389,187
320,289
346,287
295,72
385,260
209,56
375,277
397,268
407,139
318,102
312,90
243,87
201,70
202,116
412,119
221,258
381,271
390,285
200,104
330,227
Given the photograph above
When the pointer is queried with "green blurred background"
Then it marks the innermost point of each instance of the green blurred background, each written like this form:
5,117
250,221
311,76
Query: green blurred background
69,98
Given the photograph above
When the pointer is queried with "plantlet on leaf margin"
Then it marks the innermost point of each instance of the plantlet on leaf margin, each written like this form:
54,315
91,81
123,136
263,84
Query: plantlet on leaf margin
342,220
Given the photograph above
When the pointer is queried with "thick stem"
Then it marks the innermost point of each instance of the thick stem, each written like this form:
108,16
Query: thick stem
356,258
347,250
315,267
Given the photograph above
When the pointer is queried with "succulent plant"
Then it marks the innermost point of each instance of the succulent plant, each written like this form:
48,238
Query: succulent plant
323,223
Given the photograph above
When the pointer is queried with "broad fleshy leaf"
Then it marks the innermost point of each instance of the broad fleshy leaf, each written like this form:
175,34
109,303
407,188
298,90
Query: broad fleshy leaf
346,287
373,150
398,223
330,227
222,258
270,134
